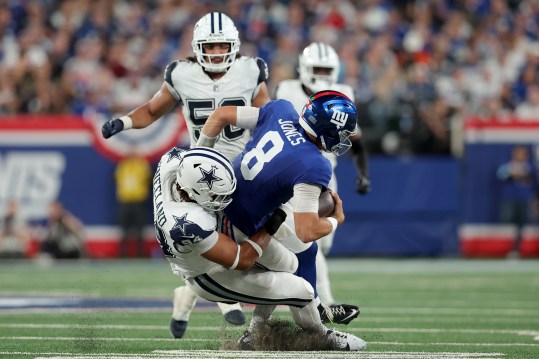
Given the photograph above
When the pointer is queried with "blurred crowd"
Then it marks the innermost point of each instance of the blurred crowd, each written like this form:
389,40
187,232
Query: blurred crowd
418,67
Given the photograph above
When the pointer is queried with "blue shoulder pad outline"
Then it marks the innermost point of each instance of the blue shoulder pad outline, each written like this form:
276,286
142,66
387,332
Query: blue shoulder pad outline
185,232
263,75
168,72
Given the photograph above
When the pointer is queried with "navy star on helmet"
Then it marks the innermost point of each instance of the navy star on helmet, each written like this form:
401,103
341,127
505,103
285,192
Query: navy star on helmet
214,189
209,177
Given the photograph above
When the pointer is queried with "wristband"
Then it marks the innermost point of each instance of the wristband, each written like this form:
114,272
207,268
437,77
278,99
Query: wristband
206,141
128,122
257,248
235,264
275,221
333,222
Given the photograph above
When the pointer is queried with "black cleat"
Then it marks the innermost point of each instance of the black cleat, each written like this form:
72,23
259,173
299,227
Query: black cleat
338,313
235,317
177,328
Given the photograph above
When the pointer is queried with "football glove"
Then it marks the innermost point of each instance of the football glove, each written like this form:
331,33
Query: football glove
275,221
363,185
112,127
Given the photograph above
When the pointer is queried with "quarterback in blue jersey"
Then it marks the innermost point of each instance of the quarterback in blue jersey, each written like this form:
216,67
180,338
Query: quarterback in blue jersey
278,157
283,160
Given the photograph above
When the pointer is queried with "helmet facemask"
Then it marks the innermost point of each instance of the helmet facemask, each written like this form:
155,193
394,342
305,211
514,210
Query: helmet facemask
317,58
342,146
214,28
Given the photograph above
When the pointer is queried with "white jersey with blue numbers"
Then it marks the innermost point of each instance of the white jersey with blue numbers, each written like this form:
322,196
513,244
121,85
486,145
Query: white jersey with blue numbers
184,229
293,91
200,95
278,157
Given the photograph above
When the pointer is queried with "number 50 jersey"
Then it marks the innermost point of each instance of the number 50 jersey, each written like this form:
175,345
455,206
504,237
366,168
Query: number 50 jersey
200,95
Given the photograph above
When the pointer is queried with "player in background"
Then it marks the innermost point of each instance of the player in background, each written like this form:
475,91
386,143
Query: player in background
190,188
318,70
282,160
216,76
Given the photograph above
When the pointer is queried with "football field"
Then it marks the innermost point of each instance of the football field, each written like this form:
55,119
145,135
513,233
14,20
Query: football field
412,308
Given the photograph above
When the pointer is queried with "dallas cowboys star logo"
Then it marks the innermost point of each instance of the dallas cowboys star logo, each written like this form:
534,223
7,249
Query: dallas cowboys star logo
174,153
181,223
209,176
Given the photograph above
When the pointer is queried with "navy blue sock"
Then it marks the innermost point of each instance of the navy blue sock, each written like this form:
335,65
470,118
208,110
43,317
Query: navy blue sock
307,265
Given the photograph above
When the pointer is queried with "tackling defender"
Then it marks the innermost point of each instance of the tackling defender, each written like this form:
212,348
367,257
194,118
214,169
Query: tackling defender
190,188
217,76
318,70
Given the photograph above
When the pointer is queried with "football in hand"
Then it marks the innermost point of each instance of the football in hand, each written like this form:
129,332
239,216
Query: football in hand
326,204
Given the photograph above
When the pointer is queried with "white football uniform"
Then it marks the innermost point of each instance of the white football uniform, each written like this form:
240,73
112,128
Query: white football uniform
200,95
185,230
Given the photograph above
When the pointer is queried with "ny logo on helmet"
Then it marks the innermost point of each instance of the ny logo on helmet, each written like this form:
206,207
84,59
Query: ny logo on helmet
339,118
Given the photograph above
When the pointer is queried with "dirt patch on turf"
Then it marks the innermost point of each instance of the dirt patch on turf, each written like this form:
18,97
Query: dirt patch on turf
279,335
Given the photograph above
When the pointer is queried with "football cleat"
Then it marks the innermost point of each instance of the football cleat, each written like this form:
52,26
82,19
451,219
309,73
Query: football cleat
345,341
247,341
338,313
235,317
177,328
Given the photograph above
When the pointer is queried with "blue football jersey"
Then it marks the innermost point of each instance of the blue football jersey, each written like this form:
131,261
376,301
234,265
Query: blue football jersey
277,157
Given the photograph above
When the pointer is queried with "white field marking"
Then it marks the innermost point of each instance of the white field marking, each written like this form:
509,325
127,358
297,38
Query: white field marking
453,319
108,339
364,318
337,355
188,354
430,266
465,312
279,354
20,311
452,311
216,328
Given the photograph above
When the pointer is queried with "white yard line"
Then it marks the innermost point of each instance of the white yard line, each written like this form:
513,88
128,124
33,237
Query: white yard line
367,312
210,354
217,328
108,339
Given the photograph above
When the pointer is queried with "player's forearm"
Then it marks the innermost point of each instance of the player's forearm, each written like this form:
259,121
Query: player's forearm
161,103
218,119
251,252
143,116
310,227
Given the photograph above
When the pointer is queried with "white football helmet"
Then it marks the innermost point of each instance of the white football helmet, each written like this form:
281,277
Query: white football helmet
207,176
321,55
215,27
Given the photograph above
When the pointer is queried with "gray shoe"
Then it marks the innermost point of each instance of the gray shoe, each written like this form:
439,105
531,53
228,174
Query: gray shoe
235,317
177,328
246,342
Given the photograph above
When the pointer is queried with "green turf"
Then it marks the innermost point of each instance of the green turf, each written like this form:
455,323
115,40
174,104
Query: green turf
426,306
